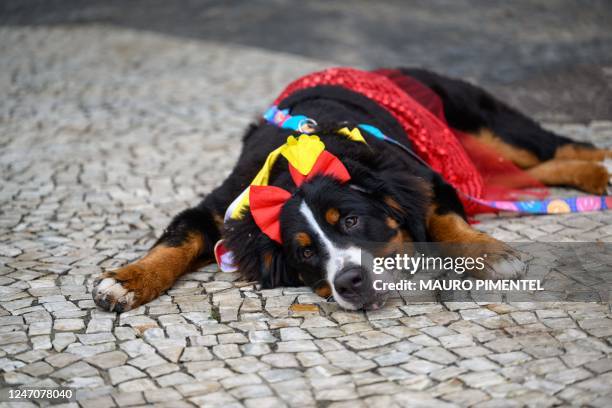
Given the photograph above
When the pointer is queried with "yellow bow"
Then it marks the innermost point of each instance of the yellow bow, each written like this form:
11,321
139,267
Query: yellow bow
302,153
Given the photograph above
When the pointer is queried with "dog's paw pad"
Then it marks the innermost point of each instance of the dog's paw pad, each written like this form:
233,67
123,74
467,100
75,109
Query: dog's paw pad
110,294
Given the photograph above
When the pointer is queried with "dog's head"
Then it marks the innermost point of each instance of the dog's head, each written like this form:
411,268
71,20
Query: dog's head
327,227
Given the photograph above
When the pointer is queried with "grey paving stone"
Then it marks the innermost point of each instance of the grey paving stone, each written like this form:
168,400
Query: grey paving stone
437,355
88,351
147,360
142,384
226,351
280,360
232,338
136,347
247,364
99,325
421,366
481,379
568,376
162,369
295,346
456,340
264,402
196,354
124,373
108,360
198,388
79,369
174,379
478,364
256,349
68,324
37,369
61,360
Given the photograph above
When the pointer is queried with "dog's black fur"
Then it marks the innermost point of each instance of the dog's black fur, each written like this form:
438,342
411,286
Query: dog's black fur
385,181
469,109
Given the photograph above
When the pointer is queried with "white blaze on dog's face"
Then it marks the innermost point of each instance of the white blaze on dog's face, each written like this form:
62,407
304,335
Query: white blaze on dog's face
339,261
328,230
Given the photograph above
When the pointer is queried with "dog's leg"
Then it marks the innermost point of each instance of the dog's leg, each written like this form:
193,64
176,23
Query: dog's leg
507,131
460,239
525,157
186,244
573,165
587,176
572,151
446,224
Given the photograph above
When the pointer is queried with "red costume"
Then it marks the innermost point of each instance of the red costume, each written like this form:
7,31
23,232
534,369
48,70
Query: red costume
420,113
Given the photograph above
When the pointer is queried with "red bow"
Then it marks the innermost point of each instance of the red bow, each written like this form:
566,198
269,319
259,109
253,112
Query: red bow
266,202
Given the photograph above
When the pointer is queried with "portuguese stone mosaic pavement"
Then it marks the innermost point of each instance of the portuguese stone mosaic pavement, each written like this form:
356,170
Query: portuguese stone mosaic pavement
105,134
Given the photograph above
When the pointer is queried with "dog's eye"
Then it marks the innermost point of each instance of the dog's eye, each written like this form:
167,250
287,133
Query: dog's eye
351,222
307,252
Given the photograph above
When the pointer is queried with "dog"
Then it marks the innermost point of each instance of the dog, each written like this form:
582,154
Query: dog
311,228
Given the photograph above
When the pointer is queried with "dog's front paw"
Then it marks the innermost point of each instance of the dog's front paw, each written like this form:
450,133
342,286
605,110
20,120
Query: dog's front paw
501,262
506,266
122,290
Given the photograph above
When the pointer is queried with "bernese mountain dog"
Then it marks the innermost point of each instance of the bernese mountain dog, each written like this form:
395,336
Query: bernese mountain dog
324,223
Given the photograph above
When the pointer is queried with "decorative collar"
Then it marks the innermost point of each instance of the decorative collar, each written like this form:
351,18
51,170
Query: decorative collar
303,124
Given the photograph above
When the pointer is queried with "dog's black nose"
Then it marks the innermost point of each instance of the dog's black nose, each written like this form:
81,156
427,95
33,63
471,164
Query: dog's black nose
349,282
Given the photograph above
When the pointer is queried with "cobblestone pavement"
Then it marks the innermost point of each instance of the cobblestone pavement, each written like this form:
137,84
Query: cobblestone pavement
105,134
551,57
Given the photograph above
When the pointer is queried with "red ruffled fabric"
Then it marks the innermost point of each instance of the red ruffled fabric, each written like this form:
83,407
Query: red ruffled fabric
470,167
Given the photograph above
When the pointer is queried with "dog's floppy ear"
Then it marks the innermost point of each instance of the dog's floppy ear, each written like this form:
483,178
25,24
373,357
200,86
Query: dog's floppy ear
273,268
403,196
258,257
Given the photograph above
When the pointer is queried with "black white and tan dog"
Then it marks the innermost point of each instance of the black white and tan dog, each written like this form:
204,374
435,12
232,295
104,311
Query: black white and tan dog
308,222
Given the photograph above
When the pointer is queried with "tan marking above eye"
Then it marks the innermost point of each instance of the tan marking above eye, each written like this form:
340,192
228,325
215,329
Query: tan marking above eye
303,239
332,216
391,223
393,204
